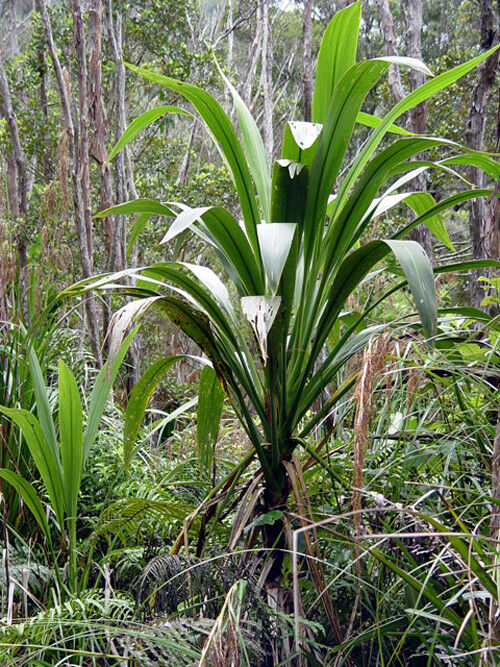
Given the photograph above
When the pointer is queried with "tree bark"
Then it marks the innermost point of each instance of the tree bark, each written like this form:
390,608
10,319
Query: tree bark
114,29
483,223
417,118
252,60
97,145
124,174
307,77
387,28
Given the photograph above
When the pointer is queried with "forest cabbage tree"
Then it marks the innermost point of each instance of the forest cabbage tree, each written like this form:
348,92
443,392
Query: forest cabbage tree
299,252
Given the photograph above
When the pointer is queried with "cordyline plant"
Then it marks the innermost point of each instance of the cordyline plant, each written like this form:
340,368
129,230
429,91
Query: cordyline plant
298,254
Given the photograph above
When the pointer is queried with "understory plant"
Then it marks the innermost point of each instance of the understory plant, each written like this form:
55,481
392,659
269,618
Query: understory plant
59,446
297,257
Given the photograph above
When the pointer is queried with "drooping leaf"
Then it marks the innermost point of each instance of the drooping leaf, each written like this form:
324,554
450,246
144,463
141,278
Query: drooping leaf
420,203
47,465
230,241
30,497
214,284
143,205
419,274
142,121
369,120
405,61
225,137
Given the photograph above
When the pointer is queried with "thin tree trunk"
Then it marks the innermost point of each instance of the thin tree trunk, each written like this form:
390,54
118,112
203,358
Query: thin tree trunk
307,77
14,44
483,225
417,118
124,175
183,171
48,172
252,60
114,28
77,169
96,117
81,121
387,28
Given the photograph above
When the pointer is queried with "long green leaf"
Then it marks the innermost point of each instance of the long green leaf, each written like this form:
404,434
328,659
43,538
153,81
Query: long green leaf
420,203
100,393
138,401
229,240
140,222
254,149
413,99
418,272
209,412
334,140
369,120
337,54
43,408
71,436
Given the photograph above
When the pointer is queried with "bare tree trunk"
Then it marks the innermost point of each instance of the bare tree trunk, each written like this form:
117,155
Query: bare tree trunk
17,184
483,225
96,117
417,119
124,175
267,79
76,155
307,77
387,28
114,28
14,44
183,171
42,66
81,121
252,61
